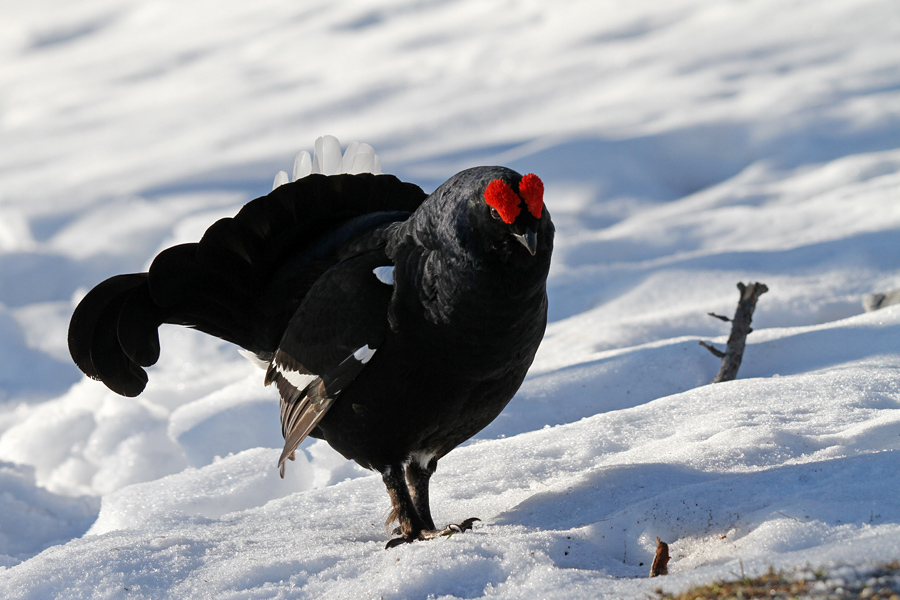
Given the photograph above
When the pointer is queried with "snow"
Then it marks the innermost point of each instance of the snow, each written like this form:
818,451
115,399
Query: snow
684,147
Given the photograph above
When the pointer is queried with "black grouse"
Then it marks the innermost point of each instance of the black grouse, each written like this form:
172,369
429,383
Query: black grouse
395,324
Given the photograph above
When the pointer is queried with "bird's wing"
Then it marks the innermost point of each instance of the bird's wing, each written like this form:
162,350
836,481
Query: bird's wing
248,274
335,332
241,282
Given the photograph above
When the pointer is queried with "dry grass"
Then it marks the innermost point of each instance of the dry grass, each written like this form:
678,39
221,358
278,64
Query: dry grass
879,583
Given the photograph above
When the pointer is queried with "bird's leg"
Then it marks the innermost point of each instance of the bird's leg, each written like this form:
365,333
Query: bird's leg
417,477
403,509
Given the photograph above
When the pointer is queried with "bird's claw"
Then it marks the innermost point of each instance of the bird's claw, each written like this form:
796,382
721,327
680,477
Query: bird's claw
397,541
457,528
432,534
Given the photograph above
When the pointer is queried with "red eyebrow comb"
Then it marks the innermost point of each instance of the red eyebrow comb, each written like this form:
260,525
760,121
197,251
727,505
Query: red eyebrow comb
532,189
506,202
503,199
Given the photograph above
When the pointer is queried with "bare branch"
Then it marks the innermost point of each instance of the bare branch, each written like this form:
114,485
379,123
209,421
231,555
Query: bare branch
740,328
719,317
714,350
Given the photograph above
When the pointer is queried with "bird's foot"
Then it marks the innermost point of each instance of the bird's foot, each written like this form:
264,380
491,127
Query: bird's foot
433,533
450,529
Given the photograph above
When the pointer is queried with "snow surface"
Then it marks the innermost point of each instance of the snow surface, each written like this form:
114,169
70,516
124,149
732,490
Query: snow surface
684,145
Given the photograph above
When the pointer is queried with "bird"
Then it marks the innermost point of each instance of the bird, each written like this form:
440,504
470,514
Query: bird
395,324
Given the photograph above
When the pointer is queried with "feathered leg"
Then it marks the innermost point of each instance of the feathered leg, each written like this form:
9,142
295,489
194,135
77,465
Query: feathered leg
408,488
403,509
417,478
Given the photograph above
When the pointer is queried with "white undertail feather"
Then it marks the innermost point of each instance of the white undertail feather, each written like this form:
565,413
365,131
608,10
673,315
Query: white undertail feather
361,158
253,358
327,157
302,165
281,178
327,160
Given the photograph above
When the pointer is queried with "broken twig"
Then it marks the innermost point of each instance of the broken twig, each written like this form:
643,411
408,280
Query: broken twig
740,329
716,352
661,560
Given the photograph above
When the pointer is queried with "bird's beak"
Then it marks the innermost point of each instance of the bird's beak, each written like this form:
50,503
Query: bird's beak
528,239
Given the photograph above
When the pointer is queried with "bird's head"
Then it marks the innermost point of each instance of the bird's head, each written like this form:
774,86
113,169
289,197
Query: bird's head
506,212
492,212
520,208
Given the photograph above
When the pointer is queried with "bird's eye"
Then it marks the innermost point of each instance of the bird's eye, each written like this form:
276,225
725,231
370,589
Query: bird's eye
494,213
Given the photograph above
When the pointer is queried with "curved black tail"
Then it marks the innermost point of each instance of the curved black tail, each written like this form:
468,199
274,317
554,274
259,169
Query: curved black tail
241,282
113,333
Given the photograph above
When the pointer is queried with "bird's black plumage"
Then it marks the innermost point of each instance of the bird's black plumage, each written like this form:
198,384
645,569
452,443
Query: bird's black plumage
396,325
